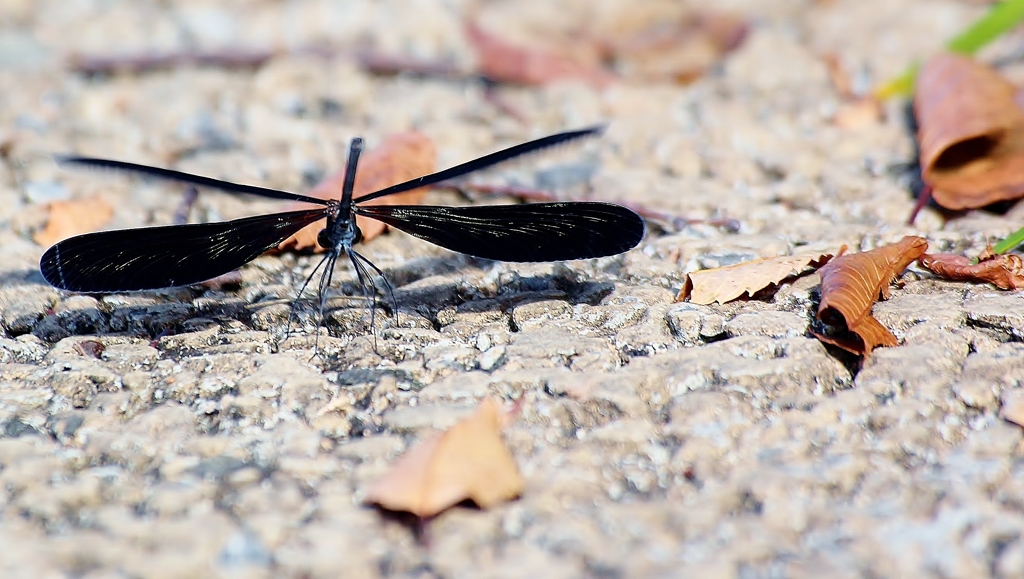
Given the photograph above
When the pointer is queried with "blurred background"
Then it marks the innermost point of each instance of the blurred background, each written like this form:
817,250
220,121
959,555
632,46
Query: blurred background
271,91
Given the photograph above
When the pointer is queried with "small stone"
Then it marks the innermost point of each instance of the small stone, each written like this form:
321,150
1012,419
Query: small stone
773,324
492,358
542,313
243,551
80,314
483,342
378,447
685,321
631,433
414,418
1011,562
23,307
26,348
45,191
1013,407
976,395
1003,312
612,318
332,425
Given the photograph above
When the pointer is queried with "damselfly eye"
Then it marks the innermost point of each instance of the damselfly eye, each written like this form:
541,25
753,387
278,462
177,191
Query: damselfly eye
323,239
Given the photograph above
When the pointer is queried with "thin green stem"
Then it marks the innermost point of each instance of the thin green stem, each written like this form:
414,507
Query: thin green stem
1013,240
997,21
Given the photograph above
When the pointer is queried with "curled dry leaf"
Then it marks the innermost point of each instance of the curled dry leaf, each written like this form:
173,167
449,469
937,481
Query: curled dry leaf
1003,271
68,218
469,461
850,285
502,61
399,158
971,133
725,284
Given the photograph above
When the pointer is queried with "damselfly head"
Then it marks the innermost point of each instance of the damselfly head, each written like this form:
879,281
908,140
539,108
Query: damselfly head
342,234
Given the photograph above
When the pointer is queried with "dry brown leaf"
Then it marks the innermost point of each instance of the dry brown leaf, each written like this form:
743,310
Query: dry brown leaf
641,43
838,73
679,50
971,133
399,158
1003,271
859,113
503,61
725,284
469,461
850,285
856,110
68,218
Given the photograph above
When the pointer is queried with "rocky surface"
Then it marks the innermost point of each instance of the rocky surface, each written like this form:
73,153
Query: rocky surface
184,433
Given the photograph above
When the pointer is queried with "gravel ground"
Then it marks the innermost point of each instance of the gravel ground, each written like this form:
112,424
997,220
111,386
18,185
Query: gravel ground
657,439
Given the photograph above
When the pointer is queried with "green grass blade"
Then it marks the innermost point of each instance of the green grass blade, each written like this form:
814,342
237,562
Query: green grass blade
1013,240
998,20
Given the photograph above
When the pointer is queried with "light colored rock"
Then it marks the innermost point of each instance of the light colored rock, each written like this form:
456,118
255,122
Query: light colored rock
1013,407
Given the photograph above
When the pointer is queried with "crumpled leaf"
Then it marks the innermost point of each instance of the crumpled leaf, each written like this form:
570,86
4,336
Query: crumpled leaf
642,44
469,461
678,49
502,61
1003,271
850,285
725,284
399,158
74,217
971,133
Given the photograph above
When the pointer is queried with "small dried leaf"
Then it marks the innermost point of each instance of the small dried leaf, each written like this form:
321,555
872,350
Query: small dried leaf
502,61
839,74
851,284
971,133
399,158
680,49
860,113
856,110
725,284
69,218
232,279
1003,271
469,461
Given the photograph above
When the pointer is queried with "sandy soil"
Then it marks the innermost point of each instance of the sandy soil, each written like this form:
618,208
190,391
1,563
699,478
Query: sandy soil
657,439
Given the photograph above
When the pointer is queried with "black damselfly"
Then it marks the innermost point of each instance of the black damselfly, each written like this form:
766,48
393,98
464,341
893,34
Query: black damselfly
180,255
